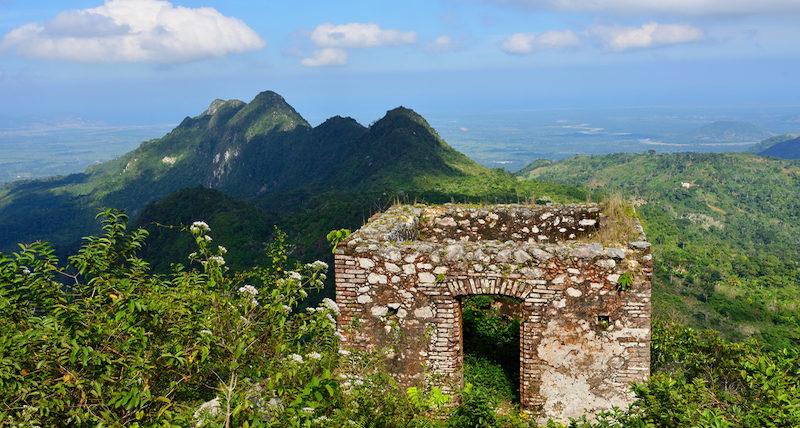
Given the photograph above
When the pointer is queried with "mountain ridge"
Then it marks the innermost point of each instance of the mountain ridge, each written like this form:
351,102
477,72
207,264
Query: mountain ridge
250,151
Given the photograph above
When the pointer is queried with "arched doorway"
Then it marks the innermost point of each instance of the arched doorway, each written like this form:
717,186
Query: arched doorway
491,328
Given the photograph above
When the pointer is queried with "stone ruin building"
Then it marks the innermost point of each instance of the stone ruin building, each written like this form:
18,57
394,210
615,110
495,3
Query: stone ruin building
585,332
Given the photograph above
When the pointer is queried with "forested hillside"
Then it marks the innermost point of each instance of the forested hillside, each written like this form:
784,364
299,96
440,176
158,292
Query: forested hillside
725,230
263,152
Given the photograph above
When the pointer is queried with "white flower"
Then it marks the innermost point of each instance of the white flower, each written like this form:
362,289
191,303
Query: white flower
207,238
358,382
314,356
341,337
199,226
254,302
248,289
274,403
204,331
330,304
307,410
344,352
217,259
295,275
322,276
303,294
26,271
331,319
286,309
319,265
296,358
222,250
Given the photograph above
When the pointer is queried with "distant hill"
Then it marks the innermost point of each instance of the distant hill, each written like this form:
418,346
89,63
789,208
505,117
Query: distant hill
726,132
334,175
787,149
240,227
769,142
725,229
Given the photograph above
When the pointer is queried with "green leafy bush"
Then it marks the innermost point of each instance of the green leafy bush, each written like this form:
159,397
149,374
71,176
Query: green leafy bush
476,410
103,341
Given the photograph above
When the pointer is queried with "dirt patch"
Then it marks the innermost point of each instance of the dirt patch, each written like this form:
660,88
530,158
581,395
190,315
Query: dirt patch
791,171
716,210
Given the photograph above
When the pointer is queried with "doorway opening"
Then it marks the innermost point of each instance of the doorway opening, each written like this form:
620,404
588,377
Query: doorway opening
491,340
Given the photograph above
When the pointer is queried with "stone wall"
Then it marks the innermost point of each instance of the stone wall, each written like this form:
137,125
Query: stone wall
585,307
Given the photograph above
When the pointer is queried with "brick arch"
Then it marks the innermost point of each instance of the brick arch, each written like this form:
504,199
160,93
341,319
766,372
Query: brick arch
532,311
402,298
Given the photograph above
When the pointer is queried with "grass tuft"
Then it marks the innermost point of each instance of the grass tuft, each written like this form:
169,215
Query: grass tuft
619,224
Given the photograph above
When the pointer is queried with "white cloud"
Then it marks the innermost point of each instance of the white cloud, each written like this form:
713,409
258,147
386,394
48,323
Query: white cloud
333,40
134,31
325,58
648,35
358,35
442,43
678,7
523,43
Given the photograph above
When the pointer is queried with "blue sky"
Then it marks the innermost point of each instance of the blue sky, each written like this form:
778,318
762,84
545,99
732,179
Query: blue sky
156,61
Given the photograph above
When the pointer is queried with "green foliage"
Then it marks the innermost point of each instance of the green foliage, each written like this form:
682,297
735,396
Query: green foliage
625,281
497,381
700,379
114,344
475,411
336,236
434,399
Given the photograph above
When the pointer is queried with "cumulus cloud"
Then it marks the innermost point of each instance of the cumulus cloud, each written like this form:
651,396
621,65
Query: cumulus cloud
333,40
358,35
648,35
523,43
326,58
442,43
678,7
134,31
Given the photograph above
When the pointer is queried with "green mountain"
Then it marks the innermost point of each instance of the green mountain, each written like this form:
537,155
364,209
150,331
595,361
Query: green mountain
788,149
308,178
725,230
769,142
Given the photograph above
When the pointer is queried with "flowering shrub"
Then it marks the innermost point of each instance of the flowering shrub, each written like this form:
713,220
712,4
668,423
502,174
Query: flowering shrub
103,341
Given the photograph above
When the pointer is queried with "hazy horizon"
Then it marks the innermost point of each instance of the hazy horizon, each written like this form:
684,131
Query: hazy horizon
61,143
142,62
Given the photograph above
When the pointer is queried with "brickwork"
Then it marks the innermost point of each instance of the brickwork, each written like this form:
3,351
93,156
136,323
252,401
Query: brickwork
584,336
